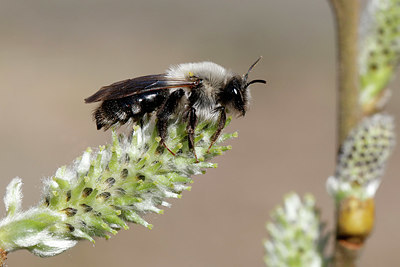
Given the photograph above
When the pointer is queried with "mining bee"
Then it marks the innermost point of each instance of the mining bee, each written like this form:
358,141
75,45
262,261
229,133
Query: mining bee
195,91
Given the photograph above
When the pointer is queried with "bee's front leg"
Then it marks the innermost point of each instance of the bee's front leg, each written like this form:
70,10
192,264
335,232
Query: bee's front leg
163,114
221,125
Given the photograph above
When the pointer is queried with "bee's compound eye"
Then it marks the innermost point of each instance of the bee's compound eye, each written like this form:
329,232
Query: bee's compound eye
235,91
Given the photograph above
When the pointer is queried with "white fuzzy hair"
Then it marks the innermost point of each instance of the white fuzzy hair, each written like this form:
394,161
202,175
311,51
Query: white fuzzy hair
213,76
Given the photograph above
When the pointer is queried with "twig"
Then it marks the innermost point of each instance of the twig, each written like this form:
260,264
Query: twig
347,20
349,111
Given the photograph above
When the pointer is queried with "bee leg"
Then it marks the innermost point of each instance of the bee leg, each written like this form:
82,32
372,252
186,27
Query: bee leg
191,126
162,124
221,125
163,114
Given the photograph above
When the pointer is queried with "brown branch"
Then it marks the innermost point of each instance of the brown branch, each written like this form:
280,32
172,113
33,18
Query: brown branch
347,248
347,19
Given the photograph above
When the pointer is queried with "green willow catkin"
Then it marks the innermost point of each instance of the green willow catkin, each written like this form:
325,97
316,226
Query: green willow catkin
379,50
103,190
362,158
295,234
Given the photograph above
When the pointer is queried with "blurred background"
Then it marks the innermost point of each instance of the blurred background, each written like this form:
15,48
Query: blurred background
53,54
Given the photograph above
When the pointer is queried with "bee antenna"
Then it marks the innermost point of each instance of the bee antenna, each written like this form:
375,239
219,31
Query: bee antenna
255,81
251,67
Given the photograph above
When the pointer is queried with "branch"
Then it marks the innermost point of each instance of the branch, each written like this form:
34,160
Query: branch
364,144
349,112
347,19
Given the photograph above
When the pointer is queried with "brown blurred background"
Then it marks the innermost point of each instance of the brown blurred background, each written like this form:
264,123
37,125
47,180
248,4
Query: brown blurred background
55,53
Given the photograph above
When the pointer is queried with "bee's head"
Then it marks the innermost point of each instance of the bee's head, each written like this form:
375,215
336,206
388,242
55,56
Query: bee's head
236,93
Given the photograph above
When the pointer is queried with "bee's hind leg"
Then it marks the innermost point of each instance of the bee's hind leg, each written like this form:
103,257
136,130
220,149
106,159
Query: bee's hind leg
220,126
191,126
163,114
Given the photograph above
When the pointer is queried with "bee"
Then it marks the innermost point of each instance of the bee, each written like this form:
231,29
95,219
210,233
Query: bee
195,91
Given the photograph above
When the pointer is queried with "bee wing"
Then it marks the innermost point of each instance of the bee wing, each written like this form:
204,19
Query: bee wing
137,86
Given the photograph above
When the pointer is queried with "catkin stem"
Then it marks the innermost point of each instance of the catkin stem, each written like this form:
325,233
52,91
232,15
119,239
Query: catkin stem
349,111
347,20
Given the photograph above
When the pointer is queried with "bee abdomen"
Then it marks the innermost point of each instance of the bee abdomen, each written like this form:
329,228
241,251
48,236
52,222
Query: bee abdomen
111,112
119,111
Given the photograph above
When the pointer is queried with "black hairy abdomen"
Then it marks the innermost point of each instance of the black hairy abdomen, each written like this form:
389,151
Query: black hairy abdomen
120,111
